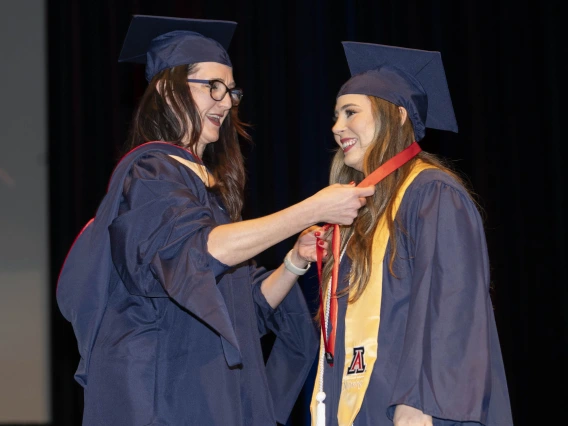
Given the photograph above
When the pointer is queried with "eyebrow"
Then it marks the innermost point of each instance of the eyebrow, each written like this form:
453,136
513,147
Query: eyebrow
344,107
230,86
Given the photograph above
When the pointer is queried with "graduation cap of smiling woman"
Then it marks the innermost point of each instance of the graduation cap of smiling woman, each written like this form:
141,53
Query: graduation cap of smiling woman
161,42
413,79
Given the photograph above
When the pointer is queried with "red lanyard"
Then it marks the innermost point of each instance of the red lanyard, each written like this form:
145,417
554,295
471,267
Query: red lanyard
383,171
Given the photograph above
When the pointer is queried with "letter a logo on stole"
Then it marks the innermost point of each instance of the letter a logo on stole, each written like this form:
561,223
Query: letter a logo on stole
358,363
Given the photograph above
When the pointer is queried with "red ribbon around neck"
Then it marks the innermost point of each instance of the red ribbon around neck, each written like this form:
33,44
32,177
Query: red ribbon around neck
378,175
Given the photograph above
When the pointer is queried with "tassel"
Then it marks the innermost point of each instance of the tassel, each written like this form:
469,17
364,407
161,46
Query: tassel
320,415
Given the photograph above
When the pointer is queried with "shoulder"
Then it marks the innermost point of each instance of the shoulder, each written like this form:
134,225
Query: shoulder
435,183
436,177
153,165
436,193
159,158
148,153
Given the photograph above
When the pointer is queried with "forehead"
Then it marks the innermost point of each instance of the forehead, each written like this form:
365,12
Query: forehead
210,70
352,99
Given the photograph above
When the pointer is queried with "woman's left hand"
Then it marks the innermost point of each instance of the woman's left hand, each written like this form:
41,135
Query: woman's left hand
405,415
305,248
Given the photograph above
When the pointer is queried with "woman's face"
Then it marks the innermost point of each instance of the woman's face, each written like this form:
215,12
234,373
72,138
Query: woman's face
354,128
212,112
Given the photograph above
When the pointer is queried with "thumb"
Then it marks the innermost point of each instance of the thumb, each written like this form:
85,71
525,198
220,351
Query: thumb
366,191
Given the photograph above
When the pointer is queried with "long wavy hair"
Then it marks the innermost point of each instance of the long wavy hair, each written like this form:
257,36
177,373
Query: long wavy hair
178,122
390,138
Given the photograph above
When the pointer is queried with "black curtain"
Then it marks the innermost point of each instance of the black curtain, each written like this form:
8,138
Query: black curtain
503,64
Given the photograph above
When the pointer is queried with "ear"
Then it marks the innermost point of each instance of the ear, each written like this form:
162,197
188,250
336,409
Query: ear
161,89
159,86
403,115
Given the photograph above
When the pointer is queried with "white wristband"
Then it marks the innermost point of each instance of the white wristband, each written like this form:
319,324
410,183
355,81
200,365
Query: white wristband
293,268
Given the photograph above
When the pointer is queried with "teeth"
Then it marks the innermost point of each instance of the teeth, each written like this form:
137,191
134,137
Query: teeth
348,143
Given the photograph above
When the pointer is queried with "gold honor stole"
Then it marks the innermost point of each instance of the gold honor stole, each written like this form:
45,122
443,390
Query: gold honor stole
362,321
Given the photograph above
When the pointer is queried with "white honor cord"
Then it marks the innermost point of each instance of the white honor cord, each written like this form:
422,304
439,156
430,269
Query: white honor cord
320,397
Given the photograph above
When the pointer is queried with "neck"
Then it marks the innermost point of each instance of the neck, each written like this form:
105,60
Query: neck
198,149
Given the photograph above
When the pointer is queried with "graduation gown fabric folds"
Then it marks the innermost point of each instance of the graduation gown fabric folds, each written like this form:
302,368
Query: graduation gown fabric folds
167,334
438,348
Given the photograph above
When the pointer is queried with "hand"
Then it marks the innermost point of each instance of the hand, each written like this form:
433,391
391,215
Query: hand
305,247
339,204
405,415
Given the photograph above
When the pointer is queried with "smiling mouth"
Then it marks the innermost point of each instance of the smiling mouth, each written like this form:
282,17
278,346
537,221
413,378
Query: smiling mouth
347,144
215,119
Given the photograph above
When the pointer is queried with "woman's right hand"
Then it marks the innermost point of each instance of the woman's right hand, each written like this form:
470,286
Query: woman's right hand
405,415
339,204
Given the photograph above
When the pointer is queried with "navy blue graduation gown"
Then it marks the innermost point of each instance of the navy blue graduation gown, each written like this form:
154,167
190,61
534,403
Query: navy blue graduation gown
167,334
438,346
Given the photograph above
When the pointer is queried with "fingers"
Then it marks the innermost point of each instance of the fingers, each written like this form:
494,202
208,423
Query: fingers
311,230
310,238
369,190
365,191
324,232
405,415
362,193
341,203
323,244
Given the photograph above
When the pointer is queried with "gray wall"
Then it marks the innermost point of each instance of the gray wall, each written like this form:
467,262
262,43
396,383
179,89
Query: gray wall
24,327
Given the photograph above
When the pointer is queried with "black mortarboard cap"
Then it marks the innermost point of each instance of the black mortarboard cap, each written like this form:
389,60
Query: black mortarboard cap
413,79
162,42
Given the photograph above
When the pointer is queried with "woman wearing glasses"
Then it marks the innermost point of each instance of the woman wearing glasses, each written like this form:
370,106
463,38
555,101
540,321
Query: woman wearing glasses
165,305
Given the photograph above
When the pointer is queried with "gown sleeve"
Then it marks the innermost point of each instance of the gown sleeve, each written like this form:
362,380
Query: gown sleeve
450,346
159,243
294,348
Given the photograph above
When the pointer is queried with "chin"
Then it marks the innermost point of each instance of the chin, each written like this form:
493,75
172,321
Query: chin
357,167
210,138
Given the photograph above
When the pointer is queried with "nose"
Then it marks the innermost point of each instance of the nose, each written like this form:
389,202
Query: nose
226,102
338,127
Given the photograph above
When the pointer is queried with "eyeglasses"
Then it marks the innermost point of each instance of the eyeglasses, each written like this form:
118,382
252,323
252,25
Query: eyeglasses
218,90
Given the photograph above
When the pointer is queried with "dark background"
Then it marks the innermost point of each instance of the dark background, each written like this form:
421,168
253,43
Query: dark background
502,61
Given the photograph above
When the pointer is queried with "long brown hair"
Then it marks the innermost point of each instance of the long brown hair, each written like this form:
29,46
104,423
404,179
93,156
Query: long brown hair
158,120
390,138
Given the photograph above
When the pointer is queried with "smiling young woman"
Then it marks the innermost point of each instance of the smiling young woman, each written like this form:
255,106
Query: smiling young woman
408,332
